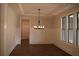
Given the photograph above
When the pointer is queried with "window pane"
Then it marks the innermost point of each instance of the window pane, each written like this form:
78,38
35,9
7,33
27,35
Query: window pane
63,22
64,35
71,36
78,21
71,21
78,37
78,28
71,27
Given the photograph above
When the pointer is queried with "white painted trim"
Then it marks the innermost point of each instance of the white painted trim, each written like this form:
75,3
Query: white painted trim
21,8
3,29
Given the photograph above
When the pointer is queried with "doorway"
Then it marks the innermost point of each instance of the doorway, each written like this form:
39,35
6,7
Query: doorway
25,32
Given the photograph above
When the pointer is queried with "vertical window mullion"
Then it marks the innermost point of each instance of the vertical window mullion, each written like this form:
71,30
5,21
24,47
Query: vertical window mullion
67,31
75,30
61,30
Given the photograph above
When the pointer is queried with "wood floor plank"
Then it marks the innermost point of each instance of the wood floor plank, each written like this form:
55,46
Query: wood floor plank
37,50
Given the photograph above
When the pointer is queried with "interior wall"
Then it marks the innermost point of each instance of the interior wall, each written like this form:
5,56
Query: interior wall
24,29
57,33
41,36
9,30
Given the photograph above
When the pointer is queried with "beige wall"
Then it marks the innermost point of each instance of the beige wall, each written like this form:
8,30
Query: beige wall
41,36
57,33
9,30
25,29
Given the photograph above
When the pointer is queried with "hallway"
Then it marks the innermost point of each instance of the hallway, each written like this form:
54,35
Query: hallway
37,50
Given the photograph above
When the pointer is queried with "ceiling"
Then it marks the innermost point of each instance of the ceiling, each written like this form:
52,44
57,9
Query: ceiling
30,9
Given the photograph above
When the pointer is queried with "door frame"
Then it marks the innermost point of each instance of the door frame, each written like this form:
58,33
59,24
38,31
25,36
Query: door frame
20,29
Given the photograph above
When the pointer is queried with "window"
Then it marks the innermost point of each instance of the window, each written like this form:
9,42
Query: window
71,28
78,27
64,37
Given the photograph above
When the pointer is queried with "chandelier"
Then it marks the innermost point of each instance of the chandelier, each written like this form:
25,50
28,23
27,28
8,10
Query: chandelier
38,26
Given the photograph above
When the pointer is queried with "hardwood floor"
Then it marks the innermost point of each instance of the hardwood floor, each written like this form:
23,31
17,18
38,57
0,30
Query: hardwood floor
37,50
